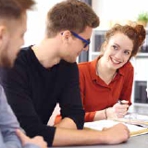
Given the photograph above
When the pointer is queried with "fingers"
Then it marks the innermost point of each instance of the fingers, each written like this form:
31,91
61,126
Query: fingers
124,129
121,106
121,109
38,140
124,102
121,113
22,136
121,135
127,130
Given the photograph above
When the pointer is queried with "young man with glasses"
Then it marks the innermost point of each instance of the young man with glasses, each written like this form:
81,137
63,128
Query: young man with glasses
47,74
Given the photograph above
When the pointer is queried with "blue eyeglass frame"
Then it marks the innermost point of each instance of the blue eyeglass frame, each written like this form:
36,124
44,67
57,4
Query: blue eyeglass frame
87,42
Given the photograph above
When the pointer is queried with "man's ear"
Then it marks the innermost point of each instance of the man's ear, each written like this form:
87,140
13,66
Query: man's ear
3,34
66,34
2,31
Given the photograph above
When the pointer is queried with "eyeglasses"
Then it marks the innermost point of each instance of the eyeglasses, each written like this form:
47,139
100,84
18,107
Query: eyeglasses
86,42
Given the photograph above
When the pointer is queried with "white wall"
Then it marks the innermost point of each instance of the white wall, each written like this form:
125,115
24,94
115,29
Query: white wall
36,21
107,10
118,10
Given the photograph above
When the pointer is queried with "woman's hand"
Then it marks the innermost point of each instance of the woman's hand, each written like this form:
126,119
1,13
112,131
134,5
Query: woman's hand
119,110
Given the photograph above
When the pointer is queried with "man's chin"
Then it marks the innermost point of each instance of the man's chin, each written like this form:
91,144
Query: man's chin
72,60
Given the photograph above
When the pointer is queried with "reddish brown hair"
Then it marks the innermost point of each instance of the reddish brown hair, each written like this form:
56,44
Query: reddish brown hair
135,32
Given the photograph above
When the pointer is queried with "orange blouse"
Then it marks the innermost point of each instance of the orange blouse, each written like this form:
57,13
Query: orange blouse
96,94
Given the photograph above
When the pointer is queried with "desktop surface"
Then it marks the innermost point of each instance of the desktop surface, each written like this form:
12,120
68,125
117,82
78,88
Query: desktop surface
133,142
140,141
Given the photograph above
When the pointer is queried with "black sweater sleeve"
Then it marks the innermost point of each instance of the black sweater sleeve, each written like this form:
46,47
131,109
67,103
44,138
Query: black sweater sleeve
15,83
70,101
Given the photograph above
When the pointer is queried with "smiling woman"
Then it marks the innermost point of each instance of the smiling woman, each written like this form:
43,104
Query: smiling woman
109,77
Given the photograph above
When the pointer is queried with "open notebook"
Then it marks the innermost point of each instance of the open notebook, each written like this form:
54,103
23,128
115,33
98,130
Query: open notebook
134,119
99,125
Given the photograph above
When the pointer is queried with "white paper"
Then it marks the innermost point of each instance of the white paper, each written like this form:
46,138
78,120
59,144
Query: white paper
99,125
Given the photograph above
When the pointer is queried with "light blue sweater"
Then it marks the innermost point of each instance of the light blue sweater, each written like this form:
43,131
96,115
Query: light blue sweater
8,125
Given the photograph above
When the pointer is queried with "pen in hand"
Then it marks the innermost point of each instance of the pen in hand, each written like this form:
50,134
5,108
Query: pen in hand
123,102
121,108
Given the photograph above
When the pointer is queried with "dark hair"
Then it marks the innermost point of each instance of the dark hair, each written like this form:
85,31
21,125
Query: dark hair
135,32
71,15
14,8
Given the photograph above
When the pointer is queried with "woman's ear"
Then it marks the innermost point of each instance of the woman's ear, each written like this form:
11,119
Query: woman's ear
103,46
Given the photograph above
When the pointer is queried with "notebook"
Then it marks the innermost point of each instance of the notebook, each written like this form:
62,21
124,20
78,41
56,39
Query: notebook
99,125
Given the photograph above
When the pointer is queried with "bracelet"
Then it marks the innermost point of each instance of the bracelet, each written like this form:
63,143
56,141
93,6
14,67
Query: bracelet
105,111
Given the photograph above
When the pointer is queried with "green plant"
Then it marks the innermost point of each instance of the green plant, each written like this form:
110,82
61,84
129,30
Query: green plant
143,17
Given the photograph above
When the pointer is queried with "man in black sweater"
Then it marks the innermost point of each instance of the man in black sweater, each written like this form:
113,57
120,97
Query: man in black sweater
47,74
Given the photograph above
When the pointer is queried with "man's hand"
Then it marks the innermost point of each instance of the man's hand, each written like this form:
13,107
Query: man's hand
38,140
116,134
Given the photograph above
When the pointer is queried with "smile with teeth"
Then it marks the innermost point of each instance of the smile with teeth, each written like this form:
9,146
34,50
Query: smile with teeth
115,61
